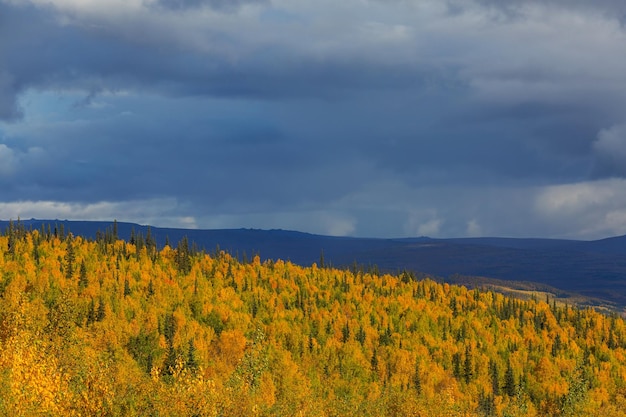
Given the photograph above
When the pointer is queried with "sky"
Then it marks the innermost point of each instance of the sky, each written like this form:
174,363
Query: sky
377,118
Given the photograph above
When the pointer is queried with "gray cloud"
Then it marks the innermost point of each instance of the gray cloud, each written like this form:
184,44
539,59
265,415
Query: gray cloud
228,5
397,119
615,6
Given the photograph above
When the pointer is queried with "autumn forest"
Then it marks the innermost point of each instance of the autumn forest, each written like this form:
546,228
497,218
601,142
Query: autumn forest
107,327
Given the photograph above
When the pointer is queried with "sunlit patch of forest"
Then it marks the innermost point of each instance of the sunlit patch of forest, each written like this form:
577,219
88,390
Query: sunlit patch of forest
107,327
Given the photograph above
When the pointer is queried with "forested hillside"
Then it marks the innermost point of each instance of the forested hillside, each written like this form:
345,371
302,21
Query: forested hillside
108,327
587,273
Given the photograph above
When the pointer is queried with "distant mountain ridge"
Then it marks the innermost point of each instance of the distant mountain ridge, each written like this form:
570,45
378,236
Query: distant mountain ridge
592,268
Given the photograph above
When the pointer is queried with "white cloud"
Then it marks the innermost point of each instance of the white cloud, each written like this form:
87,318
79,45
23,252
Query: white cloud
473,229
430,228
94,6
616,221
579,197
158,212
591,209
424,222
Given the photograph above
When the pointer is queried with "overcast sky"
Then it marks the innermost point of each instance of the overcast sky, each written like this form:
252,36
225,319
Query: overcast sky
383,118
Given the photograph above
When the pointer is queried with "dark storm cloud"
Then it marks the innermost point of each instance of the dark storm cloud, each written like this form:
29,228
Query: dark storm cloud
206,154
9,109
10,84
94,56
421,118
